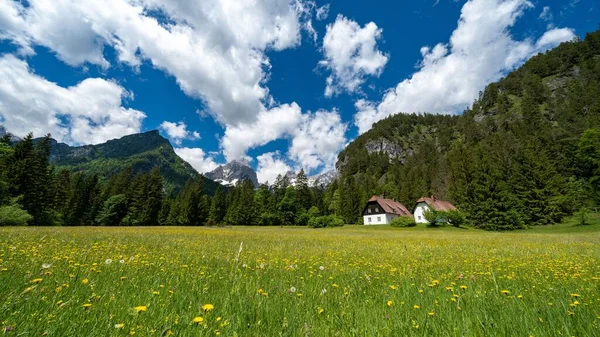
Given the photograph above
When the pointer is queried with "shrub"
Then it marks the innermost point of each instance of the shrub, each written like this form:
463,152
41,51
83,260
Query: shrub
302,219
403,221
433,218
14,215
583,217
325,221
455,217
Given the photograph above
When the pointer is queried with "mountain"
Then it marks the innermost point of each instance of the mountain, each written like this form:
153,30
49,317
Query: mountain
526,153
318,180
141,152
232,172
3,133
323,179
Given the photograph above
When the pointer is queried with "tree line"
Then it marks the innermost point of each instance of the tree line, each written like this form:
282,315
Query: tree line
33,192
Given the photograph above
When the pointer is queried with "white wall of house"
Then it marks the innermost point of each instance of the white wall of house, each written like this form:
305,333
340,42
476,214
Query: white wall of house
420,210
378,219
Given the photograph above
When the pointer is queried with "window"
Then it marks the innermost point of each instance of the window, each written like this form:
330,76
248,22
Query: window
369,210
376,209
369,219
378,218
419,217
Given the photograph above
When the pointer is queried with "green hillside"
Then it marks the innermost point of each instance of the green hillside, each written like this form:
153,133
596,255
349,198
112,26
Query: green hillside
526,153
141,152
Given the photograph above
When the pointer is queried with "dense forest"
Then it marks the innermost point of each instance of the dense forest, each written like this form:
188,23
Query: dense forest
526,153
35,192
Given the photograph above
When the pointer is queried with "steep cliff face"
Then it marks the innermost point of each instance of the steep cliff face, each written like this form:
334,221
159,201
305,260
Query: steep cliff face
233,172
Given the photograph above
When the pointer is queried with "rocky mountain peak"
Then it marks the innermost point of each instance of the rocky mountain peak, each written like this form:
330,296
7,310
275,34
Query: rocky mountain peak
233,172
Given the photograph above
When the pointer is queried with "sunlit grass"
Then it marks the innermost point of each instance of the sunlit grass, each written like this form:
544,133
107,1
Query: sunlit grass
350,281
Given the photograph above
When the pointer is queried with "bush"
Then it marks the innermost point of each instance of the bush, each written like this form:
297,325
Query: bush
14,215
403,221
325,221
433,218
302,219
455,217
583,217
270,219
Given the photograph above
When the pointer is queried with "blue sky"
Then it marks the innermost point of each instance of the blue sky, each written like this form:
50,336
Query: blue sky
282,84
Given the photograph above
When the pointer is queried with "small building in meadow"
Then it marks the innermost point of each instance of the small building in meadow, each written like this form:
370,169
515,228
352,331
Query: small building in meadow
381,211
426,203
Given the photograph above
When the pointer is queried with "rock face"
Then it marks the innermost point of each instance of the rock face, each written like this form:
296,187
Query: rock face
323,179
233,172
393,150
3,133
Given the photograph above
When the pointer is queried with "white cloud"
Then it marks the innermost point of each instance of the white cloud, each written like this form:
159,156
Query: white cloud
177,132
481,50
90,112
270,125
270,165
546,14
197,158
351,54
215,49
318,140
323,12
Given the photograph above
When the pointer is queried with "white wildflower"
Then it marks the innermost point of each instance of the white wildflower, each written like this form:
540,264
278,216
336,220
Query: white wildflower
46,265
108,261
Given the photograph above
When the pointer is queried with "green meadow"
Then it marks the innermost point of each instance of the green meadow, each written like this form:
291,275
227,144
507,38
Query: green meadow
272,281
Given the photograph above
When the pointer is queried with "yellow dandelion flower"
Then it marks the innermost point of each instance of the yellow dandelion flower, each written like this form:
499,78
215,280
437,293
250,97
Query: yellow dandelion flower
505,292
156,293
463,287
416,306
389,303
393,287
87,306
320,310
208,307
119,326
219,319
85,281
141,308
36,280
59,302
198,320
574,295
431,313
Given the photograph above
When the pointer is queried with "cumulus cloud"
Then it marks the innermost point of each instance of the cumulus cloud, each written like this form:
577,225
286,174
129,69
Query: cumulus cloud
215,49
90,112
481,50
177,132
270,125
351,54
318,140
197,158
270,165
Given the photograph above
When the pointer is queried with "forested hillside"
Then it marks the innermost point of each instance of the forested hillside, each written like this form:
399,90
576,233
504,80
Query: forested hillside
139,152
526,153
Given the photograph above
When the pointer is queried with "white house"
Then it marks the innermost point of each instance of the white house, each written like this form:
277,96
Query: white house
381,211
424,204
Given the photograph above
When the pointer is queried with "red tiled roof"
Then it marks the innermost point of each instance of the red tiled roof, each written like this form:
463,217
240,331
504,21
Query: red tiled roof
436,204
391,206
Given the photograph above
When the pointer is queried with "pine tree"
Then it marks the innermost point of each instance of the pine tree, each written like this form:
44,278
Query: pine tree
303,196
218,208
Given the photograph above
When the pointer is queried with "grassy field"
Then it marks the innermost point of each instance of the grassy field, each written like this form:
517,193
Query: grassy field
350,281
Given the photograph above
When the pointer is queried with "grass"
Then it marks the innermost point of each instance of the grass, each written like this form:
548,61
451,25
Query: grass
350,281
